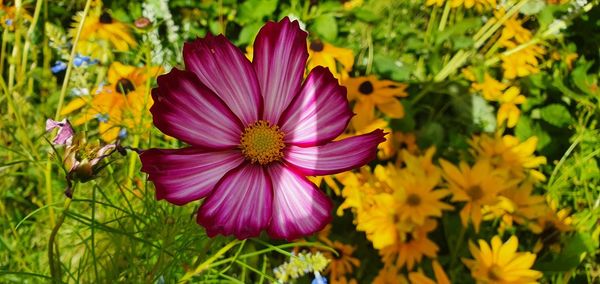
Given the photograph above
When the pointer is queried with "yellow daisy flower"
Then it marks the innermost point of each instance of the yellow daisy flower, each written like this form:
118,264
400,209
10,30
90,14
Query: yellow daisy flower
342,264
508,110
370,93
501,263
101,32
419,199
552,220
517,204
324,54
513,29
476,186
380,222
523,62
413,248
491,89
507,152
121,103
389,274
418,277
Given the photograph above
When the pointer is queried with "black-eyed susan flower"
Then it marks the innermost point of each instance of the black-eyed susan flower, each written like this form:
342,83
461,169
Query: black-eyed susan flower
419,277
491,89
371,93
339,60
421,199
100,33
411,250
509,112
499,262
476,186
507,152
390,274
256,130
121,104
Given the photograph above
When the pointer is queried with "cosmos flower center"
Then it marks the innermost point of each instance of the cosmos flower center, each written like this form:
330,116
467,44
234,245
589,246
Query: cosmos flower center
475,192
106,18
316,45
262,142
413,200
366,88
124,86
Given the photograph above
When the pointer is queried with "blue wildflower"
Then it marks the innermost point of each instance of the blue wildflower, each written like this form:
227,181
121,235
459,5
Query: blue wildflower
58,66
102,117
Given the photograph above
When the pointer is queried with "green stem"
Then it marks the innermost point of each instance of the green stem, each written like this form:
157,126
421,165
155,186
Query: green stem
206,264
53,245
63,90
445,14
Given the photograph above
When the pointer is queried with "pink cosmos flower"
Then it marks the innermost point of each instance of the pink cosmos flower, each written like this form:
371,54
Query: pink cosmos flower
255,131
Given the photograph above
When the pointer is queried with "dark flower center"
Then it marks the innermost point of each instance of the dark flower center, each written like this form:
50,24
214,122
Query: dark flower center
413,200
475,192
366,88
124,86
316,45
105,18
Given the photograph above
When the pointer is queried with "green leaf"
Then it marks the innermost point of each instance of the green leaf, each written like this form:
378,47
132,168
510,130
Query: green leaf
585,82
248,33
393,68
326,27
432,133
556,114
256,10
365,15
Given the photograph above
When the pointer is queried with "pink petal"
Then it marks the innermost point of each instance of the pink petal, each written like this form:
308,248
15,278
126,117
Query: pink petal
240,205
65,131
279,60
226,71
319,113
184,175
299,207
186,109
337,156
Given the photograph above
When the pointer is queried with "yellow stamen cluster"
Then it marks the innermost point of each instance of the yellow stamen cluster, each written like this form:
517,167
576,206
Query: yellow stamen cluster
262,142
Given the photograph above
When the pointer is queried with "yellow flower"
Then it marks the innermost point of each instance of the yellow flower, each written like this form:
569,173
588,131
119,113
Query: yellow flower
501,263
517,204
351,4
509,111
318,180
513,29
522,62
370,93
490,88
413,248
419,277
122,103
419,200
359,189
101,32
324,54
553,220
389,274
480,5
477,186
342,264
507,152
8,14
380,222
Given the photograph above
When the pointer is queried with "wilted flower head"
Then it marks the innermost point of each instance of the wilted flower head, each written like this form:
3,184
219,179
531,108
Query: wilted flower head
82,160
